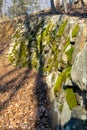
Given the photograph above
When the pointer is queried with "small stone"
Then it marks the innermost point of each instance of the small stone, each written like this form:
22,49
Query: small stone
64,58
74,126
67,128
68,82
83,117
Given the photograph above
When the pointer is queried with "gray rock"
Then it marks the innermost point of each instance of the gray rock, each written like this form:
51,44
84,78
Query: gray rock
67,128
80,39
51,78
79,68
52,95
78,120
79,112
66,114
68,83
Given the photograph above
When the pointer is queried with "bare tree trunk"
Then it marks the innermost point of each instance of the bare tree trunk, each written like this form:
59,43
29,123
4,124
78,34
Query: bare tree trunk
52,5
64,2
56,3
79,3
3,9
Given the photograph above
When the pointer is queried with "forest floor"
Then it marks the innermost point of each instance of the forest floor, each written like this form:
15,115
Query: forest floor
24,100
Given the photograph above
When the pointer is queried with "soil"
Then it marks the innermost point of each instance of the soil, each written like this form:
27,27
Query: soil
24,100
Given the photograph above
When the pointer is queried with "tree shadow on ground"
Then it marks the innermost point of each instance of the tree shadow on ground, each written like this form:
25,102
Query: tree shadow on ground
16,81
41,90
12,86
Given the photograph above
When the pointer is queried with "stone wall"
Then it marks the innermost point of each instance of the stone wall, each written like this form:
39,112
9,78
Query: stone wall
56,47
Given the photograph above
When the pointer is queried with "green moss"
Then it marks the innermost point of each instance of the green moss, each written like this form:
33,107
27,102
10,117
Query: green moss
74,34
11,58
14,54
18,55
54,49
16,34
61,29
45,32
71,99
67,43
75,31
53,33
61,107
47,68
58,84
48,33
61,78
49,61
69,54
34,64
22,56
55,64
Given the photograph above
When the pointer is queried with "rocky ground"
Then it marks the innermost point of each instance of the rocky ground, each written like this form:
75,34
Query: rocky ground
24,101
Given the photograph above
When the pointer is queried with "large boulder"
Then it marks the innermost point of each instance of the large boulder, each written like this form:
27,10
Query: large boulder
78,120
79,69
66,114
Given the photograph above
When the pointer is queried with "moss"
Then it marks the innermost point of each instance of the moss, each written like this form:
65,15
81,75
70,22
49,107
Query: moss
56,65
49,61
67,43
53,33
61,107
54,49
48,33
47,68
53,77
61,29
22,57
74,34
18,55
75,31
14,54
34,64
16,34
69,54
58,84
11,58
38,38
71,99
61,78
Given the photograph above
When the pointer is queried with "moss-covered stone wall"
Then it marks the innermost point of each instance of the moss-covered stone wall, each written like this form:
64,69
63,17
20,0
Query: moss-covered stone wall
45,44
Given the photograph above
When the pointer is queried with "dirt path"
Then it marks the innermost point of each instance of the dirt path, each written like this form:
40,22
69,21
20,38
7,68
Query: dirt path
24,101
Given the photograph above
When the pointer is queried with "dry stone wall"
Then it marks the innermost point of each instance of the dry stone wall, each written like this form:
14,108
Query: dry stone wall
56,47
